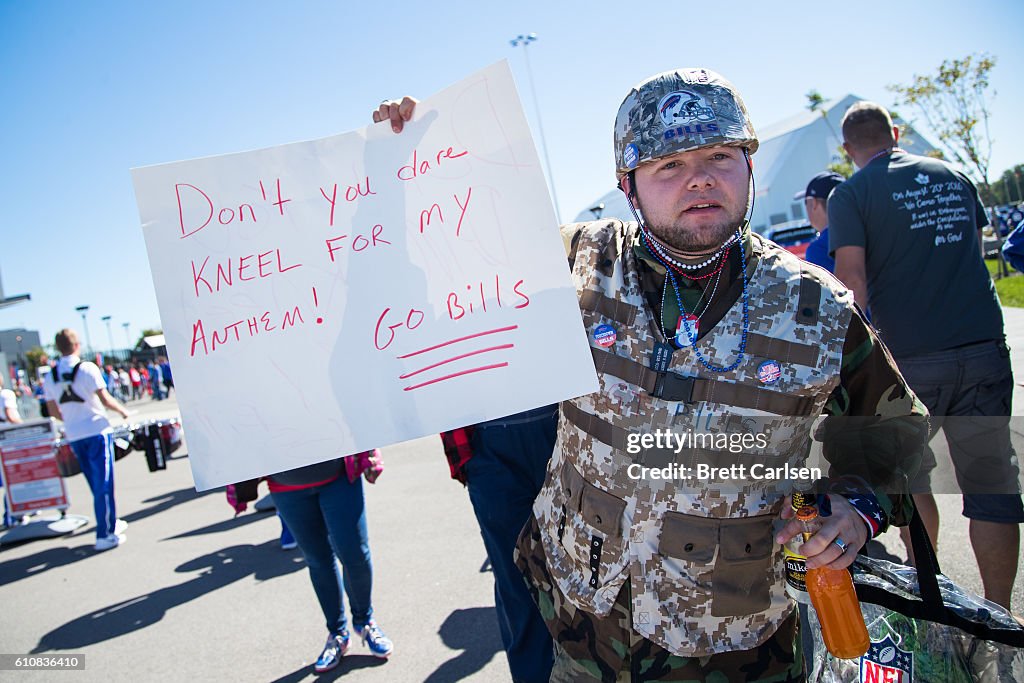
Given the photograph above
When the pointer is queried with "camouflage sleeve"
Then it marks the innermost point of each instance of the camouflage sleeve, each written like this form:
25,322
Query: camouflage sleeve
876,427
571,239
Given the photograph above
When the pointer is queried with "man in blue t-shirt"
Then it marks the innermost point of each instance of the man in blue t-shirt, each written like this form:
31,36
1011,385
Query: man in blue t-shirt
906,234
816,202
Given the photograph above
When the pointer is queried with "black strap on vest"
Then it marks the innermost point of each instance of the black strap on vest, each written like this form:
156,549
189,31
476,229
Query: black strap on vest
617,311
618,438
782,350
671,386
809,300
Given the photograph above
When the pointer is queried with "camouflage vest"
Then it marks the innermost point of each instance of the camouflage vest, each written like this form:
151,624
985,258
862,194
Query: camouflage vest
704,572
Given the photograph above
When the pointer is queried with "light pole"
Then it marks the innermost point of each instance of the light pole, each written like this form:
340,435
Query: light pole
110,337
525,42
85,326
127,337
21,352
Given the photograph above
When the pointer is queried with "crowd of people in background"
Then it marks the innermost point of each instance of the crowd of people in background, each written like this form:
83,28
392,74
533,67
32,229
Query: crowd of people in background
134,381
128,381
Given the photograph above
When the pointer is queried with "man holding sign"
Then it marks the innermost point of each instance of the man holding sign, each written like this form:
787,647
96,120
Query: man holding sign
699,327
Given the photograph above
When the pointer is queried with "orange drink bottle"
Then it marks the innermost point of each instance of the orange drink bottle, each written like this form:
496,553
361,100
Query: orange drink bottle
835,601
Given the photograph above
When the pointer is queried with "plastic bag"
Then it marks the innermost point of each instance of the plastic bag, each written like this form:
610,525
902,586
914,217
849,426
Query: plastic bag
908,648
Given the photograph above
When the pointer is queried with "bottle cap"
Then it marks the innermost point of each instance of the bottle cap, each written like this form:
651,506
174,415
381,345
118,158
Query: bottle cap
806,513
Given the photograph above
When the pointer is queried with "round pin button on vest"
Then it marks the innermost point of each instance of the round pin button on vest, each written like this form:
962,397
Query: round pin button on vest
769,372
605,335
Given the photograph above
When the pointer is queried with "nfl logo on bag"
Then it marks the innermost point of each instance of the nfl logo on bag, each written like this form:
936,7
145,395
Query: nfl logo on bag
886,663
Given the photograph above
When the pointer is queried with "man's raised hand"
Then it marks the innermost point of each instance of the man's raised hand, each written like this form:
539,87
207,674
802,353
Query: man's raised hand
396,112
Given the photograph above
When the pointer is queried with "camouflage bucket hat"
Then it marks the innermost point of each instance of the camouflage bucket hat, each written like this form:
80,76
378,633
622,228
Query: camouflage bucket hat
677,111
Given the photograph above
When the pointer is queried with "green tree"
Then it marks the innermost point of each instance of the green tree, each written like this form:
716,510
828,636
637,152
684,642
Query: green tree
954,104
35,357
844,166
814,99
1009,187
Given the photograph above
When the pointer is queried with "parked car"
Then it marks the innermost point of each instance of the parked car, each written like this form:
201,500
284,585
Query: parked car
792,238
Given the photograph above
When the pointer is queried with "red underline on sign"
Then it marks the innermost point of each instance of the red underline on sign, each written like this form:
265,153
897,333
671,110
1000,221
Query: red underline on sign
456,341
460,357
456,374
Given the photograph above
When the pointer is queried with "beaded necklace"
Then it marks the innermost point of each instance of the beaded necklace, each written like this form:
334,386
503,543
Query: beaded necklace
655,246
716,271
682,311
669,262
691,334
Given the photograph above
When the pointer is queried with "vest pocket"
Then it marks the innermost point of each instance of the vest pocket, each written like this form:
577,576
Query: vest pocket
603,511
688,537
741,579
572,487
590,531
741,549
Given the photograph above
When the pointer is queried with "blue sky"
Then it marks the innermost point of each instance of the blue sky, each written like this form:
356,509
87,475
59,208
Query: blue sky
92,89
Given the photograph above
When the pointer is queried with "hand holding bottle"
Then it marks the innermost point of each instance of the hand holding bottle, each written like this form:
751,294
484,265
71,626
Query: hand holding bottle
834,598
823,550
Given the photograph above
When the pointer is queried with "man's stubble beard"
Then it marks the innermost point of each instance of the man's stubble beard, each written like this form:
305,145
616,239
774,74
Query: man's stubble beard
698,240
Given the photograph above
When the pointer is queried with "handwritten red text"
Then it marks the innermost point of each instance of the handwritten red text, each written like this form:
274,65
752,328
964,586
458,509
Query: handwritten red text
418,168
359,242
384,334
266,264
241,330
435,210
352,193
475,298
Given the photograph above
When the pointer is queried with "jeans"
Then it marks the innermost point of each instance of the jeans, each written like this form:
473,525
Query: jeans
329,521
96,458
504,475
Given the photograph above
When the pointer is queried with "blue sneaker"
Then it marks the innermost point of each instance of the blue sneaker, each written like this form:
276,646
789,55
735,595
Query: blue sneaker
334,650
380,645
287,540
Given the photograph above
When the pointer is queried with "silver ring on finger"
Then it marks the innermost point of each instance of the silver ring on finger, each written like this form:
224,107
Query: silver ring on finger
841,544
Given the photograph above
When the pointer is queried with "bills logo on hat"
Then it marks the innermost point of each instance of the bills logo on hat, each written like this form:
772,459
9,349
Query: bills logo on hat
683,106
885,661
604,335
769,372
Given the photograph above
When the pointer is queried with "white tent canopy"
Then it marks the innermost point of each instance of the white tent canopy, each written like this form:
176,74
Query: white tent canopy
154,342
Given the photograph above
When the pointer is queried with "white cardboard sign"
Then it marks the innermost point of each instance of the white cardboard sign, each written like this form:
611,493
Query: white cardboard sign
331,296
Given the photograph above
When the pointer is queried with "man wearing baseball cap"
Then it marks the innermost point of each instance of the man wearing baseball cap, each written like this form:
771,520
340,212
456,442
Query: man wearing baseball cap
643,567
816,203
